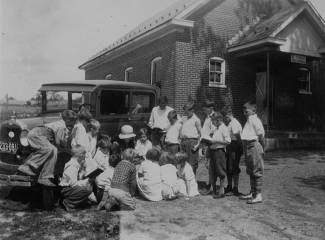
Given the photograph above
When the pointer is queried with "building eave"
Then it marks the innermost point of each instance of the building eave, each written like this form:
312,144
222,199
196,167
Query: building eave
269,40
160,31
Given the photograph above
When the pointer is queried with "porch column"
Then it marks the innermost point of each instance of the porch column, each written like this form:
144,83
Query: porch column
268,89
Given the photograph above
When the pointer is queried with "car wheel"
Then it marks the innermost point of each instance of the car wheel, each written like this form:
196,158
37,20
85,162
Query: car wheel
48,197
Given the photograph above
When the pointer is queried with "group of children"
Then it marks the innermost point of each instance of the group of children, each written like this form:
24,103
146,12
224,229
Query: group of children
111,171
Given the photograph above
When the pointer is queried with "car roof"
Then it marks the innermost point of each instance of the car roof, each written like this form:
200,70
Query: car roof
90,85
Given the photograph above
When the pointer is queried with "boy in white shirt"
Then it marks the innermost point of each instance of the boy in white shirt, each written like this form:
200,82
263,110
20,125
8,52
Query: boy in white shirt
158,121
234,152
143,144
253,141
220,139
190,135
172,140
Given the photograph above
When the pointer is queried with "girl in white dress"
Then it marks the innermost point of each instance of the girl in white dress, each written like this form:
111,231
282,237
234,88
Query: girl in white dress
148,176
168,173
186,177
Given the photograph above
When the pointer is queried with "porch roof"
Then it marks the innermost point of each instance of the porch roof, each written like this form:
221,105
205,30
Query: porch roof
267,31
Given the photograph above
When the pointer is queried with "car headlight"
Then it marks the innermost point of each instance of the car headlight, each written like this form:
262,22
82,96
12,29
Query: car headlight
23,138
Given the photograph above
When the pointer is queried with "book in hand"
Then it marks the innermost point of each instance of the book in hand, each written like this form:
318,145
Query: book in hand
207,141
94,173
158,130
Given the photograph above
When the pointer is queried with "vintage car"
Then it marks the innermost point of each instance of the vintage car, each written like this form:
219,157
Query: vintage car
113,103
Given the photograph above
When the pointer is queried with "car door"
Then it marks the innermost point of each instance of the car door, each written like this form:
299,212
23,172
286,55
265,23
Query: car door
142,102
114,106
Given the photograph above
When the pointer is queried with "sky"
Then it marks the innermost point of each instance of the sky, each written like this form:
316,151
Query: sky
46,40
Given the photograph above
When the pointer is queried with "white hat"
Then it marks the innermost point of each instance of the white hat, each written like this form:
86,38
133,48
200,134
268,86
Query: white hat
126,132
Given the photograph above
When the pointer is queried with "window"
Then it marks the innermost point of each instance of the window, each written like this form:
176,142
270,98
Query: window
114,102
217,69
128,74
77,100
56,101
142,102
304,81
155,70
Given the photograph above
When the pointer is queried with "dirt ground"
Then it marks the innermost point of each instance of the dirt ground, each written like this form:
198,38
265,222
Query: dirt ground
293,208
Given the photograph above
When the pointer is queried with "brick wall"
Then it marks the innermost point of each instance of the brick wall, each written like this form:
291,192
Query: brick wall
140,60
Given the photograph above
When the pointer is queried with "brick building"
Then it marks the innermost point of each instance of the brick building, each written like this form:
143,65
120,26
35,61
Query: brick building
229,51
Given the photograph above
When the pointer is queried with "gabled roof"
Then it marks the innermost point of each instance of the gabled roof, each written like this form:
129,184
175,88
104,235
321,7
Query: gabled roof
175,14
267,30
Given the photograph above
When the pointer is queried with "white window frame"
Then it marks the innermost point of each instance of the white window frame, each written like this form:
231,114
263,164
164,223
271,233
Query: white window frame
305,91
126,73
155,60
222,82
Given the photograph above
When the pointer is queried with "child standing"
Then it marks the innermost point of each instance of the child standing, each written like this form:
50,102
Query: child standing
253,141
75,188
172,140
187,183
234,152
148,176
190,134
123,184
168,173
217,168
143,143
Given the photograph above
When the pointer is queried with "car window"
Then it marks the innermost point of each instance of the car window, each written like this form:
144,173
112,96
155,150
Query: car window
76,100
114,102
142,102
56,101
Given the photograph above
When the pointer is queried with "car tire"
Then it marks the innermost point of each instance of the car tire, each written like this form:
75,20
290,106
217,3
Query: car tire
48,197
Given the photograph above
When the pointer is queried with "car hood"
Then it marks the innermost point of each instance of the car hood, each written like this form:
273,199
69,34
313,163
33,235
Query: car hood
29,123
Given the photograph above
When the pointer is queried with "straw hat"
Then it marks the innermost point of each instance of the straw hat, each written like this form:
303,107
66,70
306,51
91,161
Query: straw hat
126,132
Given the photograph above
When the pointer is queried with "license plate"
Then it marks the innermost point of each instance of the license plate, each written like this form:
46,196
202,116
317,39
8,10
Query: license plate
8,147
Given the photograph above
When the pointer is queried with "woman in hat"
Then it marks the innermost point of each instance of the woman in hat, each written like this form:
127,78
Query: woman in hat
126,137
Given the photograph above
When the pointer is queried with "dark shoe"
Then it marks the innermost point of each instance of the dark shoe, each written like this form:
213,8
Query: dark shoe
218,196
46,182
236,192
205,192
26,170
228,191
246,197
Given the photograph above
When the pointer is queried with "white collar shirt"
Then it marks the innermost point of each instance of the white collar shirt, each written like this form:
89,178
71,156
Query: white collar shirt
173,133
252,129
235,128
159,119
221,134
189,128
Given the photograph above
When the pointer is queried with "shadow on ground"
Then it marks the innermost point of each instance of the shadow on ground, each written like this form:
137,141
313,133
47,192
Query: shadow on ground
317,182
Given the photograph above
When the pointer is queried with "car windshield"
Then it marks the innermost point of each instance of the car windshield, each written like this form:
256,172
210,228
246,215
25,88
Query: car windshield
56,101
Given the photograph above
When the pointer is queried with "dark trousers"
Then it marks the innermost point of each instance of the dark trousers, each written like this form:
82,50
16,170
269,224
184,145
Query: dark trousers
172,148
217,167
234,152
193,157
76,196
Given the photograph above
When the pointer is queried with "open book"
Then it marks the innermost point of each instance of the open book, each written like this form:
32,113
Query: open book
94,173
206,140
92,169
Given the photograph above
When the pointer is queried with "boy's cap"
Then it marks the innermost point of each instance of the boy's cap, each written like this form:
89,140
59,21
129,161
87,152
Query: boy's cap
208,104
126,132
188,107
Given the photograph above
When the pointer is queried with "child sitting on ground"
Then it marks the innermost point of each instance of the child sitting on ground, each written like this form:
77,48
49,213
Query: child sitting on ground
148,176
123,184
187,182
143,143
75,188
102,160
168,173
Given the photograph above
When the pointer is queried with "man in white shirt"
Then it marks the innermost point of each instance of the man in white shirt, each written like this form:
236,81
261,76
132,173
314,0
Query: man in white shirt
158,121
217,168
234,152
253,141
